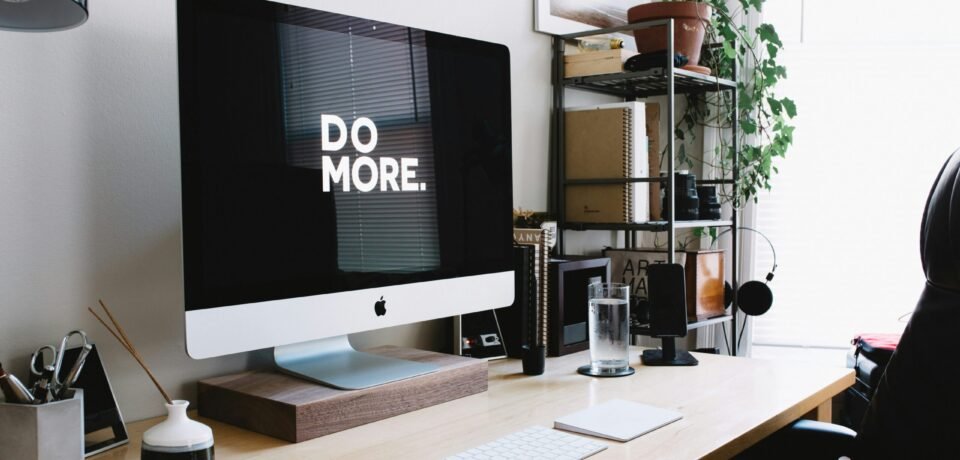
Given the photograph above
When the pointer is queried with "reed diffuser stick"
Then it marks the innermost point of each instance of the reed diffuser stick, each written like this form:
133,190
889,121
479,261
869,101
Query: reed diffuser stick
121,337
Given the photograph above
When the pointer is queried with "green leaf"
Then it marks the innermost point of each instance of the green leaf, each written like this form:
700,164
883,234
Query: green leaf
729,51
788,134
789,106
772,50
748,126
775,105
728,34
770,75
767,33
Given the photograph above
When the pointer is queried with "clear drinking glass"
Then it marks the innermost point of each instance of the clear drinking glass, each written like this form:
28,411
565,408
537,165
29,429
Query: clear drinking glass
609,323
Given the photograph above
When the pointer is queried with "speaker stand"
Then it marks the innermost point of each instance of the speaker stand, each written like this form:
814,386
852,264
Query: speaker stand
668,356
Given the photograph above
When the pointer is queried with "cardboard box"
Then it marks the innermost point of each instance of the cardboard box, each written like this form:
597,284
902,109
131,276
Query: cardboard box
595,62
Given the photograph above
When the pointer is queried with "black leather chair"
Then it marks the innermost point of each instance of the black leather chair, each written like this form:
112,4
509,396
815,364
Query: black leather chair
915,412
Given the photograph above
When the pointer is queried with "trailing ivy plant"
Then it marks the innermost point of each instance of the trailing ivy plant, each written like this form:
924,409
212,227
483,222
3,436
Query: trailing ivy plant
764,129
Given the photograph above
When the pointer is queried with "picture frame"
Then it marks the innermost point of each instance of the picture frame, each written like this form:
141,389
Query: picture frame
559,17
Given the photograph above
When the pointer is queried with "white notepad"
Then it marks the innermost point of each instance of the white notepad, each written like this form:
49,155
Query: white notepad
617,419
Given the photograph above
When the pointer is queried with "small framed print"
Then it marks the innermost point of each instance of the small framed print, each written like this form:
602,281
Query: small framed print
560,17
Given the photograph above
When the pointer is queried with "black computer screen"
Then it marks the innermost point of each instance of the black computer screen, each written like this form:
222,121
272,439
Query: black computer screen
323,153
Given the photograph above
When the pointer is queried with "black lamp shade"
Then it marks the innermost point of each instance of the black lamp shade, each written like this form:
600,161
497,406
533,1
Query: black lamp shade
42,15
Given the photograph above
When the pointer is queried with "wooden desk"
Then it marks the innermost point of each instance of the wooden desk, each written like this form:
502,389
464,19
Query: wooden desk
727,404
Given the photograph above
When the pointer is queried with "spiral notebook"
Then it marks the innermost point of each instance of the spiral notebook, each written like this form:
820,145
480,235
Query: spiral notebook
604,142
617,419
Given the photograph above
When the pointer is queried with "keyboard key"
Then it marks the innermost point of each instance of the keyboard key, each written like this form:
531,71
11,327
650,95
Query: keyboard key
532,443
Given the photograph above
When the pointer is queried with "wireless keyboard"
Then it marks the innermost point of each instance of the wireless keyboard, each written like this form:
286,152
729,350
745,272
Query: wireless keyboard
534,443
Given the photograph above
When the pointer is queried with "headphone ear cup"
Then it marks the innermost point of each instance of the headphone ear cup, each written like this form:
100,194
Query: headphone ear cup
755,298
727,294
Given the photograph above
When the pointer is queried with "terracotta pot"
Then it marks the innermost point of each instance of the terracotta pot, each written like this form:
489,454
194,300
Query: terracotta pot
690,21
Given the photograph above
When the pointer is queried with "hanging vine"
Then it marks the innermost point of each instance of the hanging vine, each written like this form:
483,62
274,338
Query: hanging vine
764,129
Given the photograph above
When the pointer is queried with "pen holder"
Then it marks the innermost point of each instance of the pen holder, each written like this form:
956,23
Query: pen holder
51,431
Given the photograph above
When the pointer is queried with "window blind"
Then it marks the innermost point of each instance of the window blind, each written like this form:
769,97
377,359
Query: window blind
845,209
376,71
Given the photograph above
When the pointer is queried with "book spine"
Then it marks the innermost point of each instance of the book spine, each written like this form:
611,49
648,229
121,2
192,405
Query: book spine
628,165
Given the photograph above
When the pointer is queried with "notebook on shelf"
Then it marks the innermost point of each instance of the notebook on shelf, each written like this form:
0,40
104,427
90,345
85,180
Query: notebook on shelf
617,419
603,142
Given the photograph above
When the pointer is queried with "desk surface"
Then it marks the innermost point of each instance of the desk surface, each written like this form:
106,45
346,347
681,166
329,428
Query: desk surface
727,404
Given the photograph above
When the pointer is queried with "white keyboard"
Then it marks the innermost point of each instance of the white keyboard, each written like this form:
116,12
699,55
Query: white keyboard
535,442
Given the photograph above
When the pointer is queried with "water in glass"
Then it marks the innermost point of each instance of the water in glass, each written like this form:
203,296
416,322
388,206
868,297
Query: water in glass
609,332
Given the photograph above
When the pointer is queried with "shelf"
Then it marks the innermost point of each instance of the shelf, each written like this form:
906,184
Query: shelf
645,329
648,83
625,180
653,226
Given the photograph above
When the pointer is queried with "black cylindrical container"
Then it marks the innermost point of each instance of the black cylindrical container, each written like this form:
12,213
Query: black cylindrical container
534,359
687,204
709,202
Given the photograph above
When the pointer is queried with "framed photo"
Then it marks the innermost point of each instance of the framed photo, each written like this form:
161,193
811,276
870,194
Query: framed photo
560,17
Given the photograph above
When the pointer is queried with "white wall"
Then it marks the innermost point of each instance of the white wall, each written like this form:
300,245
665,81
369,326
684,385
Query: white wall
89,190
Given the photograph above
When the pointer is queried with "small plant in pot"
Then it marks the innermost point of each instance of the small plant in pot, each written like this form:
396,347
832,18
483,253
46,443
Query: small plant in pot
691,22
764,129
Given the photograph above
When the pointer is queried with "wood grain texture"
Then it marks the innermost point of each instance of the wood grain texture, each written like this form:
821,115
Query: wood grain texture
727,403
296,410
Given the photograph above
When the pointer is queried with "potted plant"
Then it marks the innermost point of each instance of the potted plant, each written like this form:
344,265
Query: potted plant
692,20
764,129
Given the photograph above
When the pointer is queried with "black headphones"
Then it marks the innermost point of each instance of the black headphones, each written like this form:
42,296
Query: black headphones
754,298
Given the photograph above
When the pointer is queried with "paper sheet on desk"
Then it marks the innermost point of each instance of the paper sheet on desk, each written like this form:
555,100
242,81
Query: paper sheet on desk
617,419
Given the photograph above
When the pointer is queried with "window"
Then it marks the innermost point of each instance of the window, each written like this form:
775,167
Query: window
877,102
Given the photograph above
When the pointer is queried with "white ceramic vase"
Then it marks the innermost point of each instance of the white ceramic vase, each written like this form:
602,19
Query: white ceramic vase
178,437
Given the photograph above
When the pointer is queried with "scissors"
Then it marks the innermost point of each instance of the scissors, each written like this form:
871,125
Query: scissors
50,372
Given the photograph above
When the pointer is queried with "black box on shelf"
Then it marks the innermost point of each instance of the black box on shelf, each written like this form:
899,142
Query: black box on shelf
568,332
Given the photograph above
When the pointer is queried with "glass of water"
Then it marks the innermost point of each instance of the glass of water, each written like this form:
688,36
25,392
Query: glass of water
609,325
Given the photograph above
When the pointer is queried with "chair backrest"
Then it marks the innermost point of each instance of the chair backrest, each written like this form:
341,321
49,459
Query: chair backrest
914,412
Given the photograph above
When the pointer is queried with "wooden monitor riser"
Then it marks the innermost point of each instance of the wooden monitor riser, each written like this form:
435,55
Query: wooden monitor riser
296,410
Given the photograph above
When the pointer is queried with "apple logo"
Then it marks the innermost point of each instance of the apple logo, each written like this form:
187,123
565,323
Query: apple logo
380,308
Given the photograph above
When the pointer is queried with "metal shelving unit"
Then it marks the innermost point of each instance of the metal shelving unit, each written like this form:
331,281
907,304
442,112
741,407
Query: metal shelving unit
667,81
644,329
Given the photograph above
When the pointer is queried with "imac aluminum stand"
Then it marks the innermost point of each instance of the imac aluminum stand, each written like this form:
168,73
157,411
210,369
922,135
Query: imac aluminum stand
334,362
668,356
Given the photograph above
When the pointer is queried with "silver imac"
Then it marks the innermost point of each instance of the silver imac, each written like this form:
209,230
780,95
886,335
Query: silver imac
338,175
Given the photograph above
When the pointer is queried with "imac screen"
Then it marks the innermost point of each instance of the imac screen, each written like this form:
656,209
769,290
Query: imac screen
324,153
